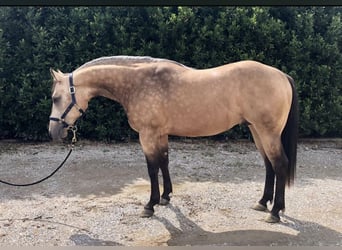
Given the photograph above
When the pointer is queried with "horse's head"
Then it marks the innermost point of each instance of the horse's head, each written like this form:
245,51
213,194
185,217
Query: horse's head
65,109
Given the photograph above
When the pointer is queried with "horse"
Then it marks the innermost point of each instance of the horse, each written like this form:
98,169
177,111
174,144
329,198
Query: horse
162,97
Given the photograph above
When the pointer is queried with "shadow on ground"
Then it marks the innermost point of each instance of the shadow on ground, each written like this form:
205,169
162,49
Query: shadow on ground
86,240
191,234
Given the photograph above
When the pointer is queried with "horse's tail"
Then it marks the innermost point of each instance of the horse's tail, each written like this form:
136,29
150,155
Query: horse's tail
289,135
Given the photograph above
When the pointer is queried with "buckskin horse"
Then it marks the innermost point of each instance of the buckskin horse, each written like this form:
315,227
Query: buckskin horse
163,97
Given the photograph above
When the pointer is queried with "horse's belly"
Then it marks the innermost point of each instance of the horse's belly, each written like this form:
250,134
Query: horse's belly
204,124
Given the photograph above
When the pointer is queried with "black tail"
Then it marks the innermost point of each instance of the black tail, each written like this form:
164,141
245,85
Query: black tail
289,136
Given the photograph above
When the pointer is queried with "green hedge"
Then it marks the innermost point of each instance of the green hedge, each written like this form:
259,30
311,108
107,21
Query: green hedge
304,42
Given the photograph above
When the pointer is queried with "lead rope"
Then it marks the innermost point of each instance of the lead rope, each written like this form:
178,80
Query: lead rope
73,141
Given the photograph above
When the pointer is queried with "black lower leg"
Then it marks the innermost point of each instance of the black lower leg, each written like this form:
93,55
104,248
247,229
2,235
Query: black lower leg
155,194
279,198
166,178
269,184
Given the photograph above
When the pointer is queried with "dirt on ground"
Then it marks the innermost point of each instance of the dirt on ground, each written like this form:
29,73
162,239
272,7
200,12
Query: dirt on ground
97,197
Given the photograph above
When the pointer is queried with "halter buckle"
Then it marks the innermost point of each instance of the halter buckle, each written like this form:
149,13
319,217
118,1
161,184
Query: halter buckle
72,90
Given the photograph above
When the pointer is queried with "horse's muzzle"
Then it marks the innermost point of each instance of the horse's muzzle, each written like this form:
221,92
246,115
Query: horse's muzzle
57,132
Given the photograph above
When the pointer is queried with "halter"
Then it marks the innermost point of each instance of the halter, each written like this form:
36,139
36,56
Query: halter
71,105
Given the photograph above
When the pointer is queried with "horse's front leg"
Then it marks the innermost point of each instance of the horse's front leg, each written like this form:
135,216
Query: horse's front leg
155,148
153,169
164,166
165,198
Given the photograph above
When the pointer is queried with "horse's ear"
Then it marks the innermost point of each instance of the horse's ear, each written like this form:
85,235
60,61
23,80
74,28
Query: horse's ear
56,75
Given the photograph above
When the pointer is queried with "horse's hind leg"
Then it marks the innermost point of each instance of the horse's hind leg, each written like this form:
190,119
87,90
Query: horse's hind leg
268,188
270,175
155,148
276,165
278,159
279,163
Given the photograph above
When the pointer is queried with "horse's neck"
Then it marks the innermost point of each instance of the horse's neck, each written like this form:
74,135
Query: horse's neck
114,83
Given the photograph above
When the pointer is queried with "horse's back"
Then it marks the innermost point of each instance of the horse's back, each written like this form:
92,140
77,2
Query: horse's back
213,100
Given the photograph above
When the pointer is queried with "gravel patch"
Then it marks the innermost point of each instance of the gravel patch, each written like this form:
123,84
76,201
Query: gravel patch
97,197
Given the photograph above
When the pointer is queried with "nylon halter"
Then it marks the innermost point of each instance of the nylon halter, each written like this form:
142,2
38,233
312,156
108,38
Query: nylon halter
71,105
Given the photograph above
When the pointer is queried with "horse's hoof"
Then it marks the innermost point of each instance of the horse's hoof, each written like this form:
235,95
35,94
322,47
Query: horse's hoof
272,219
164,201
146,213
260,207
